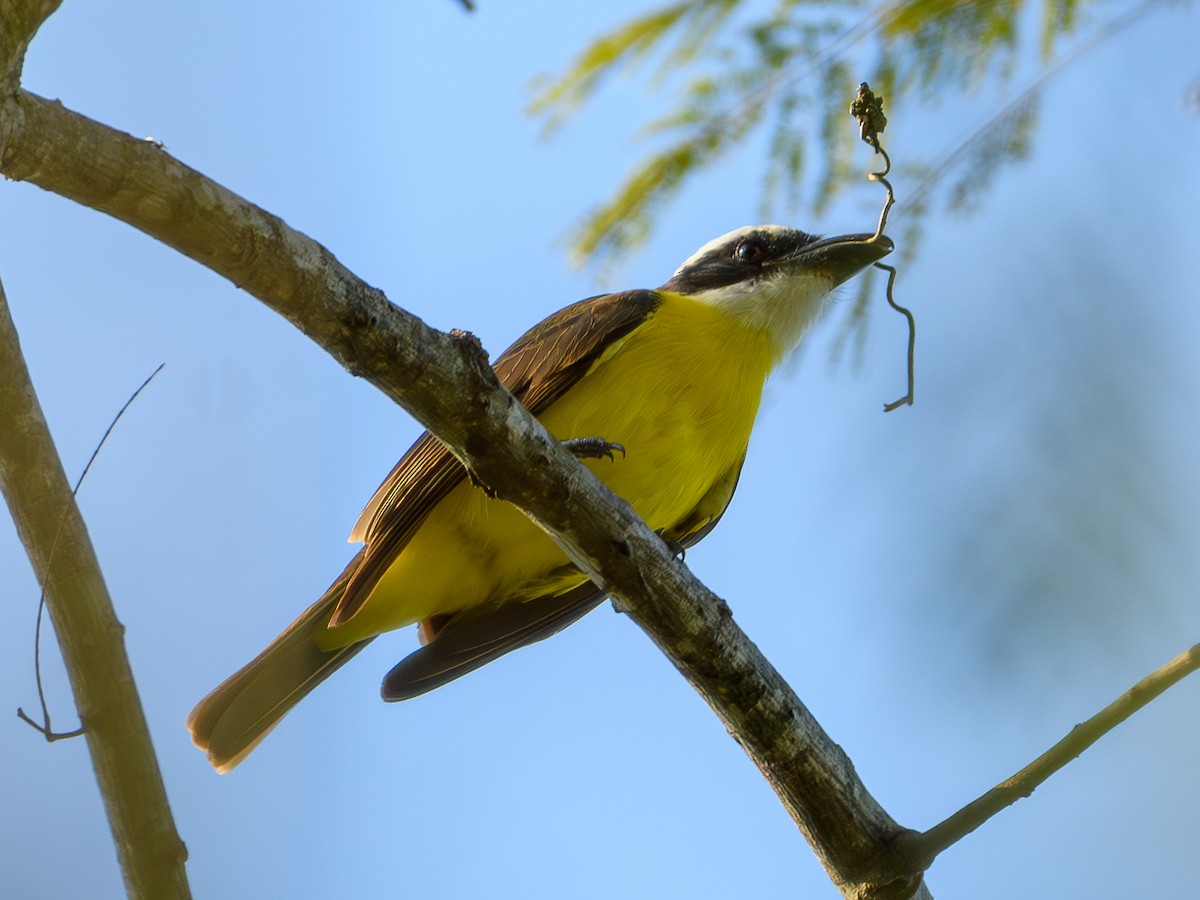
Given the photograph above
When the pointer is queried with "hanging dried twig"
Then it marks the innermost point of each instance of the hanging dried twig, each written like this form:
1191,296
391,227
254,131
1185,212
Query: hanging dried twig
867,109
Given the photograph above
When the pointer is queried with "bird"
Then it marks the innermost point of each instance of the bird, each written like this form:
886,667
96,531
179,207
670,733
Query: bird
655,390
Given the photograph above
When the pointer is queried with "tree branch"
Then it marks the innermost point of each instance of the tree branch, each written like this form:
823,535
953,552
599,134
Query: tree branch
926,846
445,382
19,22
92,640
48,521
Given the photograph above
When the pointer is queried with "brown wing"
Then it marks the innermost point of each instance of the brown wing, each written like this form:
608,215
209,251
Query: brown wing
556,353
477,636
546,361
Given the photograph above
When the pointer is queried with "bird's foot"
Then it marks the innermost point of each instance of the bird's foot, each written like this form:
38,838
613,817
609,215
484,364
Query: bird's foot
593,448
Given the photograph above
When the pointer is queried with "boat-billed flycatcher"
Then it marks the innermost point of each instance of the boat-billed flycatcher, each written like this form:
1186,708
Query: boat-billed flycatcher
673,376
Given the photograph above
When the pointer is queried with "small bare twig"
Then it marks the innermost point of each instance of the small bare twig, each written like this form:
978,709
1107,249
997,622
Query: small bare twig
867,110
44,727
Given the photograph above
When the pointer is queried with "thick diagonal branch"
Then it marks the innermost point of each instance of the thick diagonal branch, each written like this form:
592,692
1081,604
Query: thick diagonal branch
445,382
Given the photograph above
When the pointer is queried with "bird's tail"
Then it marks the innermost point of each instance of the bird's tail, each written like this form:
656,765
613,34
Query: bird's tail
242,710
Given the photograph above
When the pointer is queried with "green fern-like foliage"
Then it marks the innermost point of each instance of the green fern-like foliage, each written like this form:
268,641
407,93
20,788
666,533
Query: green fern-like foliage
791,74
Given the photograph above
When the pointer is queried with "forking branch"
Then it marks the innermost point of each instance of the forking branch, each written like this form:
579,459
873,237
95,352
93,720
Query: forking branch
445,382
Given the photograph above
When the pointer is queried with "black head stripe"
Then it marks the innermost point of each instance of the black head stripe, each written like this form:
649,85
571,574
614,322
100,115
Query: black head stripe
744,256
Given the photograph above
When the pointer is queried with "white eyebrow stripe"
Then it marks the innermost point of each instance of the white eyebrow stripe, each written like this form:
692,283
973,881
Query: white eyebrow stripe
729,238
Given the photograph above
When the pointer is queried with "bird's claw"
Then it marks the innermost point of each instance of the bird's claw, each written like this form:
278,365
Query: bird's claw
593,448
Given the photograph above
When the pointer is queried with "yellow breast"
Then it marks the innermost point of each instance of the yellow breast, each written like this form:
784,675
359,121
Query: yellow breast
680,393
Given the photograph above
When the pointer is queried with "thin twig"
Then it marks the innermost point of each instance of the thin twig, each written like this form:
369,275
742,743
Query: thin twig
45,728
925,847
881,177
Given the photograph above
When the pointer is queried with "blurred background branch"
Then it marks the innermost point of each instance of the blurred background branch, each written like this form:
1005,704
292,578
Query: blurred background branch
927,845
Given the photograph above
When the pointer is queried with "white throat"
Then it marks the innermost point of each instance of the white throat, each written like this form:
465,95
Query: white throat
781,304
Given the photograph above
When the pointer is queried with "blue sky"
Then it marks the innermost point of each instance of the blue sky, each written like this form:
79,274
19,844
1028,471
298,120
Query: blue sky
949,587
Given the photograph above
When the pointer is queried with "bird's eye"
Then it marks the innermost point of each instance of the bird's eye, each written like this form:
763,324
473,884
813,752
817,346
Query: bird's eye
751,250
